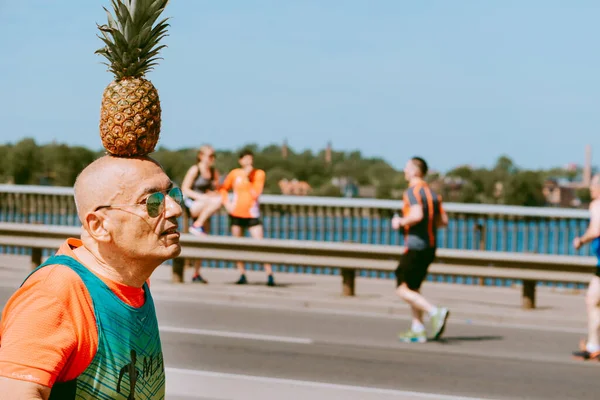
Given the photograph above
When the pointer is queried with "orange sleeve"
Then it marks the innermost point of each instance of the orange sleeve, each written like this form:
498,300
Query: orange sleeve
226,186
48,330
46,336
258,184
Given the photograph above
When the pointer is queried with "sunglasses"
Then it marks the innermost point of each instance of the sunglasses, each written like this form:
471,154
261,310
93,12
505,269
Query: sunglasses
155,203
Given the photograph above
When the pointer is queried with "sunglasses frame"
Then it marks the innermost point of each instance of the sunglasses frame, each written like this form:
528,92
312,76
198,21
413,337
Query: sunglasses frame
175,193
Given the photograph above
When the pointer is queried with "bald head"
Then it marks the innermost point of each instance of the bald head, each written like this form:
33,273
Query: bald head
595,182
111,180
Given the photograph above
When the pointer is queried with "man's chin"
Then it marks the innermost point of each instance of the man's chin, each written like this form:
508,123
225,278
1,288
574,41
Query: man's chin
174,250
169,252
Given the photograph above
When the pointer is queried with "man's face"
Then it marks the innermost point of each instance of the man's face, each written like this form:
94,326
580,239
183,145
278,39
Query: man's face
246,161
134,232
410,170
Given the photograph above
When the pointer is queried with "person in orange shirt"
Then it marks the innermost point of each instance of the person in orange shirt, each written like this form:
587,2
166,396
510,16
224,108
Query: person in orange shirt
83,324
243,207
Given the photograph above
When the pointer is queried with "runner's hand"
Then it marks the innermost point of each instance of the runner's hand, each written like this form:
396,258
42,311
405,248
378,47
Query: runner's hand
397,222
577,243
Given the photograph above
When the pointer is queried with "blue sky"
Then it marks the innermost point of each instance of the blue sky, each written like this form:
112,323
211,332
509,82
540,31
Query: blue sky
458,82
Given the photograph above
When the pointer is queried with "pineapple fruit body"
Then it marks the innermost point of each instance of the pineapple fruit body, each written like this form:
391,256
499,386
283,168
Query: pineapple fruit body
130,117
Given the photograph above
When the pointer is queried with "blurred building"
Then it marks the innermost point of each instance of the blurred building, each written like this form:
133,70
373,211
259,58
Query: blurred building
294,187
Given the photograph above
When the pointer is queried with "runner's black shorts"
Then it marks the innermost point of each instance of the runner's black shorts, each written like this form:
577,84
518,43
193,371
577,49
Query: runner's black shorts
413,267
244,223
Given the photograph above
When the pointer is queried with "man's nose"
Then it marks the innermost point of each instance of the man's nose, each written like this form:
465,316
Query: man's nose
172,208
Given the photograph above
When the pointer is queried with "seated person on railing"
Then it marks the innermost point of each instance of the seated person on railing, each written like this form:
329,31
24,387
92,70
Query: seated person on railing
423,213
244,209
199,187
201,198
78,323
590,349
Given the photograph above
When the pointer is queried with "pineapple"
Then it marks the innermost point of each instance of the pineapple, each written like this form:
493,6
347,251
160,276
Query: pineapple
130,116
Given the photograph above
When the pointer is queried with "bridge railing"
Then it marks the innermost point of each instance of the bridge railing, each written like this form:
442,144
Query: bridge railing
530,269
472,226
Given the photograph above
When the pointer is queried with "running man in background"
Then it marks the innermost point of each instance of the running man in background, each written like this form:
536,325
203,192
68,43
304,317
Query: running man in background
590,349
423,213
83,323
247,184
201,197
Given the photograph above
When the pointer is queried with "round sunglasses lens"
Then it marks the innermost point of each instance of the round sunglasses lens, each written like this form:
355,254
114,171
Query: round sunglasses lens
176,195
154,204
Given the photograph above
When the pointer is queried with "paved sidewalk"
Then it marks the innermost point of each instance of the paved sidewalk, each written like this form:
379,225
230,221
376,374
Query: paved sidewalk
562,309
555,307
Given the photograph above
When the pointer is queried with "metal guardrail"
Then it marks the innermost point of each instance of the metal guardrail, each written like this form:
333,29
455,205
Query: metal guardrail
472,226
337,202
348,257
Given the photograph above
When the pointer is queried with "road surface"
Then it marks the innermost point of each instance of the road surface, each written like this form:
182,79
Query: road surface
232,351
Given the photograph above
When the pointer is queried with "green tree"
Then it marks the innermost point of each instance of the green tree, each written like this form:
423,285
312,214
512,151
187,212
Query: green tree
24,162
584,195
505,166
79,158
5,173
59,164
272,181
328,190
175,163
525,188
469,194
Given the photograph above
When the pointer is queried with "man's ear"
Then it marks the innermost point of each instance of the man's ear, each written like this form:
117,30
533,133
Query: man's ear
96,227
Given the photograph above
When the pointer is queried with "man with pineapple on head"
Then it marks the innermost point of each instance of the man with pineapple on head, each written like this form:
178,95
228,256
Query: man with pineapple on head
75,323
83,324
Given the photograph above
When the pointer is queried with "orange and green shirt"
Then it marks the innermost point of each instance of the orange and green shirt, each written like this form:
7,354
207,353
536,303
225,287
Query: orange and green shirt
81,334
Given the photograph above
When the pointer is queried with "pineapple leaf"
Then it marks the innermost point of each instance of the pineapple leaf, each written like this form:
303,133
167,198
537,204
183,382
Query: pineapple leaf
132,9
155,38
111,52
111,21
131,37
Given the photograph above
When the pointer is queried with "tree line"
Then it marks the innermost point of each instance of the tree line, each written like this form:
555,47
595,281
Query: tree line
56,164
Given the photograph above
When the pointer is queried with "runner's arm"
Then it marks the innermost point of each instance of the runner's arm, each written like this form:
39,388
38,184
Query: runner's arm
593,230
15,389
441,218
258,184
415,210
415,215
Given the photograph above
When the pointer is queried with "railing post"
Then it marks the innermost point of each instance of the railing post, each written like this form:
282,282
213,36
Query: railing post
480,227
348,276
529,294
178,269
36,257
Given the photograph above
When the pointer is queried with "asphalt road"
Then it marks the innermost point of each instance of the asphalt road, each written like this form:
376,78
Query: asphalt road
228,352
